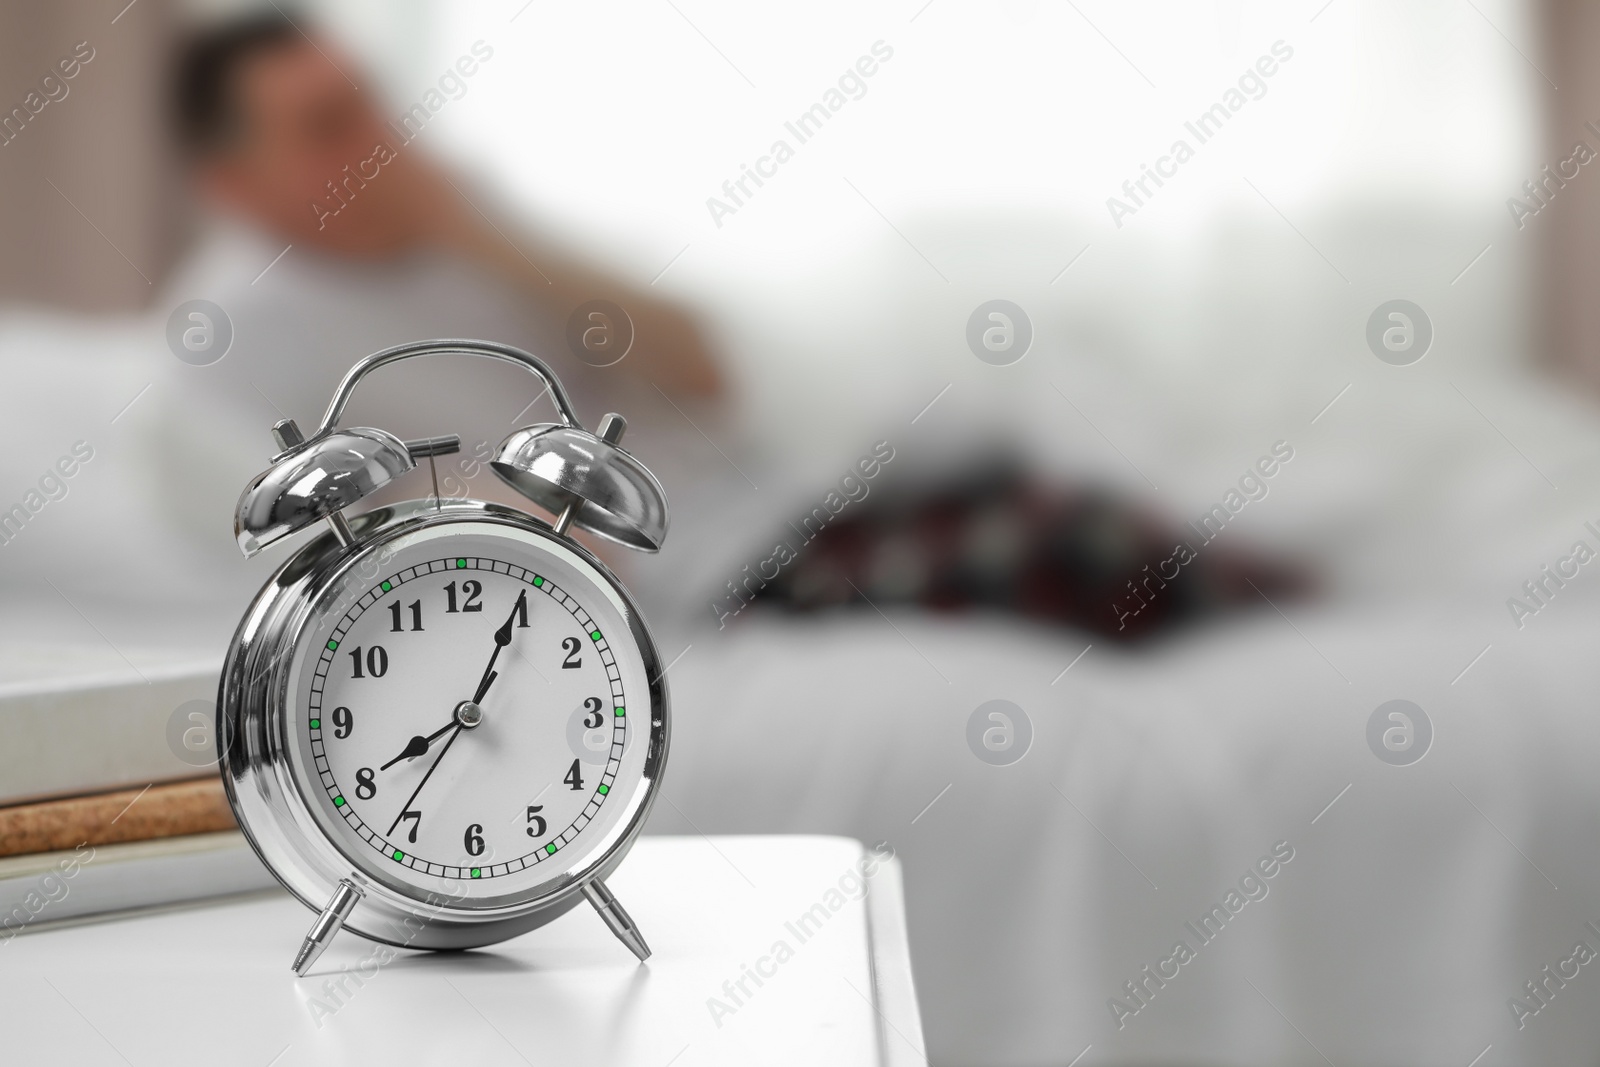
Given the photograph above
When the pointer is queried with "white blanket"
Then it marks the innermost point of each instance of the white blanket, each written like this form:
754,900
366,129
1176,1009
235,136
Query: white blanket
1412,910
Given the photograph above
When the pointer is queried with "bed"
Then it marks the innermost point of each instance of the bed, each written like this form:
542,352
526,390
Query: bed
1409,907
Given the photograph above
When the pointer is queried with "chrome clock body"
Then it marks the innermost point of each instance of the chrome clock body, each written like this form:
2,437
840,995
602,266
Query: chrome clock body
291,750
277,810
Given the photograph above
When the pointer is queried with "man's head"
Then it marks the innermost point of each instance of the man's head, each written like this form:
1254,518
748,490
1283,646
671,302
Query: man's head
268,118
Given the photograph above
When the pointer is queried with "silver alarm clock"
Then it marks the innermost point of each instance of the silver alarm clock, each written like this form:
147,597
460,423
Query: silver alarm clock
442,723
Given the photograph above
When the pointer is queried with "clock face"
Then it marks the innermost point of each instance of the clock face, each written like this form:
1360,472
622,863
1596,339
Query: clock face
471,713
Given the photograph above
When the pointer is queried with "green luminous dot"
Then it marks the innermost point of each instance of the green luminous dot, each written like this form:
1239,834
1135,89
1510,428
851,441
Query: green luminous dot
387,587
477,872
604,789
333,646
338,802
398,855
538,580
316,724
551,849
461,564
595,635
621,712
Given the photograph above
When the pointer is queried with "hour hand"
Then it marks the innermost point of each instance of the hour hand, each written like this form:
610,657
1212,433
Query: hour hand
418,745
483,690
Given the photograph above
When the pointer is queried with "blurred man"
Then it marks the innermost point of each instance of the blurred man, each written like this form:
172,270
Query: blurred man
280,140
299,283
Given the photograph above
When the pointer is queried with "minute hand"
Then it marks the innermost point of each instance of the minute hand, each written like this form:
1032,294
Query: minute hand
502,638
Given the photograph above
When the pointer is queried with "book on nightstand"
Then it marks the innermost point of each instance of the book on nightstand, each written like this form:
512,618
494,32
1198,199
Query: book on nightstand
107,801
40,890
78,718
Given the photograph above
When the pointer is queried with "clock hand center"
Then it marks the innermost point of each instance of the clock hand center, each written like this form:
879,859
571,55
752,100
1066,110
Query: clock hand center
468,713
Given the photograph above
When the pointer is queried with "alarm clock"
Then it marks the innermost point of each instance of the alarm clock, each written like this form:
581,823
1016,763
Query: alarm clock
442,723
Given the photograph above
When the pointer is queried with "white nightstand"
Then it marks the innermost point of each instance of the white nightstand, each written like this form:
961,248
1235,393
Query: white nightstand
768,951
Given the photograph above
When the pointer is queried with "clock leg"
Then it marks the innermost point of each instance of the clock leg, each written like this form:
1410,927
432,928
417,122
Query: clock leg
333,916
596,893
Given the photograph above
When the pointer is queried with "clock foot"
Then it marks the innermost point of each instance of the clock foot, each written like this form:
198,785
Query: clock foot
333,916
596,893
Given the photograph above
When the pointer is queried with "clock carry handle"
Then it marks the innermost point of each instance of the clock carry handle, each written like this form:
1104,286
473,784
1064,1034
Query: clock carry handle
486,349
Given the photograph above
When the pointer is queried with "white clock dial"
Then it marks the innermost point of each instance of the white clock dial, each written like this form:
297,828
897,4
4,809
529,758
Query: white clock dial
434,752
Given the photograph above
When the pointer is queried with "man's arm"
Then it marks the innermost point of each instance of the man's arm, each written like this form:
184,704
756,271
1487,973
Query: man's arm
668,347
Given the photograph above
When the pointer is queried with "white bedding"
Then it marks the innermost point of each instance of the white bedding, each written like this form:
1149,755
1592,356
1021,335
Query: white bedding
1412,908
